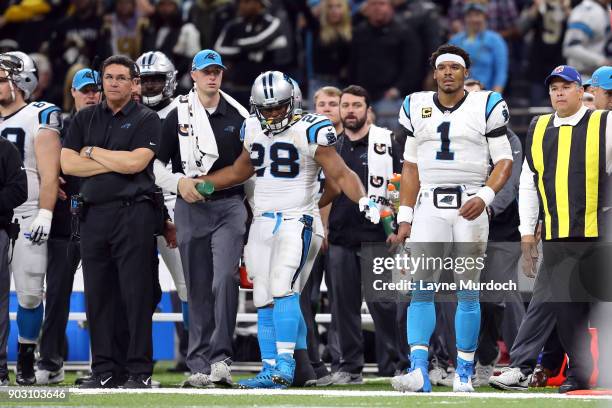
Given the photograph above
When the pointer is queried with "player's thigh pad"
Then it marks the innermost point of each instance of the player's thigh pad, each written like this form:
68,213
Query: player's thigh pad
290,251
257,259
313,251
430,238
28,267
470,239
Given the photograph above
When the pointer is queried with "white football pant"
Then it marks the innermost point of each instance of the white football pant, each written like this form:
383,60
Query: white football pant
29,265
172,258
445,225
279,255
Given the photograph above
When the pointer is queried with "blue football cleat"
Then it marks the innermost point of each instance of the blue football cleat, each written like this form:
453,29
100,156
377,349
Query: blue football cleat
261,380
283,372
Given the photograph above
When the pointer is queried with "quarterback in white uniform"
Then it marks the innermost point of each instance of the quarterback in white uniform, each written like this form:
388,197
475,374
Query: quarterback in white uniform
34,128
453,135
158,83
285,153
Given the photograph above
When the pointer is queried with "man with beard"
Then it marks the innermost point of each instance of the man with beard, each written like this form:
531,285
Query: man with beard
346,233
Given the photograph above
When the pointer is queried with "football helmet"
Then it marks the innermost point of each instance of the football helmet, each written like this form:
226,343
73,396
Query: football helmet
158,77
297,98
271,91
22,71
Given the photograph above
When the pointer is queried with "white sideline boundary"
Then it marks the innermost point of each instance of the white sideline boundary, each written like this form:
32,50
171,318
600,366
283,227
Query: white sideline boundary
340,393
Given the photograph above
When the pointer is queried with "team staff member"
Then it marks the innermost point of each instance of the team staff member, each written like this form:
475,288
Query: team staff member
571,197
345,238
13,193
63,252
111,146
200,136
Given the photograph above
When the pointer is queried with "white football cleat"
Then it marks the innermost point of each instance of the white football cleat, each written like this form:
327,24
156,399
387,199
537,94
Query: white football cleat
414,381
460,386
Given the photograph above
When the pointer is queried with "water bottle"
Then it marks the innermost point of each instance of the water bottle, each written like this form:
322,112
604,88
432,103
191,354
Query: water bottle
394,196
205,188
388,221
396,181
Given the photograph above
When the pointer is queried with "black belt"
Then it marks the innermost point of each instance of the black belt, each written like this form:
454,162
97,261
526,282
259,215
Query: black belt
122,202
220,195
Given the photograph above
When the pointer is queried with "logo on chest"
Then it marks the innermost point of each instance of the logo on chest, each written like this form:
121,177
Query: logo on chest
426,112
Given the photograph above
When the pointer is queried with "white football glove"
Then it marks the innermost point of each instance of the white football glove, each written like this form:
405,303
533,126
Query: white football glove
41,226
369,210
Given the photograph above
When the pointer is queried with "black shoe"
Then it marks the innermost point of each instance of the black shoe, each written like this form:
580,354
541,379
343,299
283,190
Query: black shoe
104,380
5,380
138,381
25,364
571,384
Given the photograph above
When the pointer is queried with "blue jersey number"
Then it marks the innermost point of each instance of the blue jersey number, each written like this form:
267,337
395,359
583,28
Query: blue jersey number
284,158
444,153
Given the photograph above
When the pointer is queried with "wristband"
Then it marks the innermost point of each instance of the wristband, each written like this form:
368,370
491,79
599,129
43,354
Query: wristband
405,214
487,195
45,214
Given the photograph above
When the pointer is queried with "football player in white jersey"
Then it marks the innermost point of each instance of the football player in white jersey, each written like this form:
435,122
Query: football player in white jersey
446,186
285,153
158,83
34,128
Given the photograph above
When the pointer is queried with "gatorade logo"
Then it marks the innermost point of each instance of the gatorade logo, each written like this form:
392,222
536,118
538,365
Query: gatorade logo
380,148
376,181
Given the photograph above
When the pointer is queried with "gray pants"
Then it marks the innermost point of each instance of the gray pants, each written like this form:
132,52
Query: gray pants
345,275
5,287
210,238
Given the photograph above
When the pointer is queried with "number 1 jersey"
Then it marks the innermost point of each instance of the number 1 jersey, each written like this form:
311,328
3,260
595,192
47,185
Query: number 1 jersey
452,146
286,174
22,128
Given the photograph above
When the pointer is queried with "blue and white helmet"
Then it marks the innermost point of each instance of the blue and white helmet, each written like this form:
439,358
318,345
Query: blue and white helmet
157,63
297,97
273,89
22,71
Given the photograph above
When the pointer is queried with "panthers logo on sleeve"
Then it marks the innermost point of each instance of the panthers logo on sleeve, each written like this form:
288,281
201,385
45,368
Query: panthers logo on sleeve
319,129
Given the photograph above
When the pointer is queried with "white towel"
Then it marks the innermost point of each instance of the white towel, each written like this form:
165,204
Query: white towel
197,142
380,165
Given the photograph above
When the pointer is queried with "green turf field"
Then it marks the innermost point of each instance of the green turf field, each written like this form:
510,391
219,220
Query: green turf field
375,392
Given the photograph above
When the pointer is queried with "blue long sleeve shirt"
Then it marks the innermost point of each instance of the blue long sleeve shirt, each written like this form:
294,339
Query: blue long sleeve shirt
489,54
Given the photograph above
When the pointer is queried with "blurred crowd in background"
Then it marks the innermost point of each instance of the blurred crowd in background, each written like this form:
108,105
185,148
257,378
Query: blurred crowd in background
383,45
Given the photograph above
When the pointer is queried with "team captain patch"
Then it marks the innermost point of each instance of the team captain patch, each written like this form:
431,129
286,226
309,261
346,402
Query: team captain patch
426,112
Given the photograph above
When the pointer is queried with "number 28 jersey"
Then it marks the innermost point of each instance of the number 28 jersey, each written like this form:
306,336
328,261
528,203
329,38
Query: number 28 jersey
22,128
286,173
452,146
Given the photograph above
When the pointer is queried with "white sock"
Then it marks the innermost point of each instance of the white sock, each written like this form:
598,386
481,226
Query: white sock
465,356
285,348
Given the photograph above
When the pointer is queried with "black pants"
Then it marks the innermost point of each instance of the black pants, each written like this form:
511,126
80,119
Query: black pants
117,247
63,260
309,303
345,273
570,272
502,312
